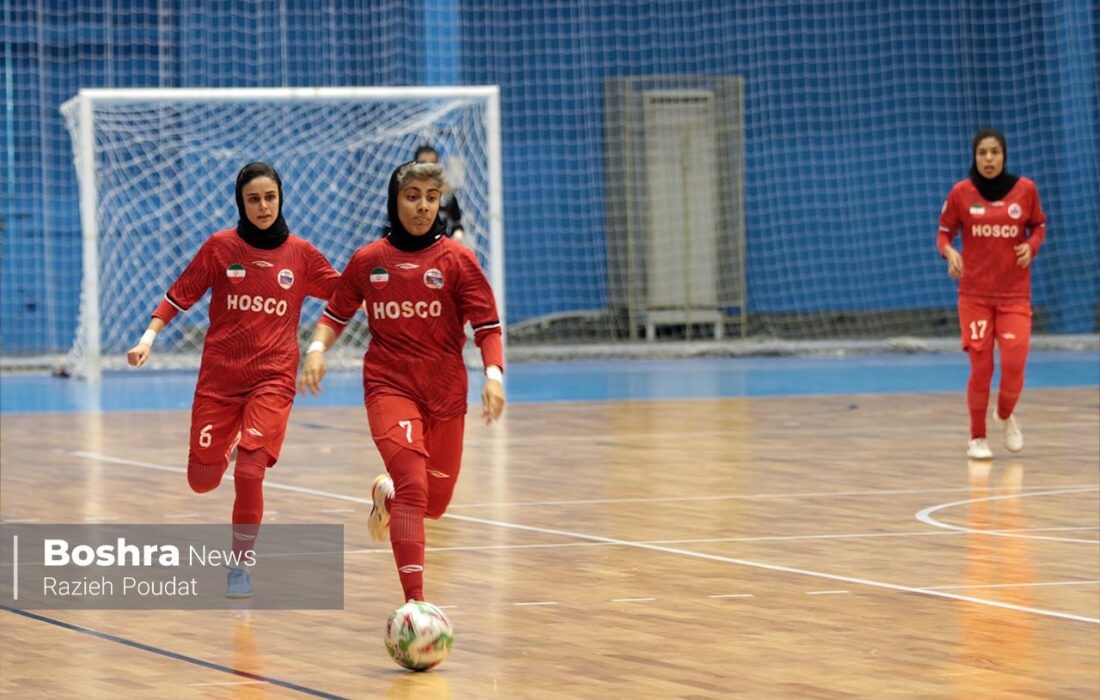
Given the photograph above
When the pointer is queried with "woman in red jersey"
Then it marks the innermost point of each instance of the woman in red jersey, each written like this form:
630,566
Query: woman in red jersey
1003,226
259,274
418,288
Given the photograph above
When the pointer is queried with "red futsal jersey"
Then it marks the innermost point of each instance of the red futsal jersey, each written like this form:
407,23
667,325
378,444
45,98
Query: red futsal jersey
255,308
990,231
417,304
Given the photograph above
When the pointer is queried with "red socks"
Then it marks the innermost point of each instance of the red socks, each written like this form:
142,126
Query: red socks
977,390
409,472
407,542
1013,362
248,507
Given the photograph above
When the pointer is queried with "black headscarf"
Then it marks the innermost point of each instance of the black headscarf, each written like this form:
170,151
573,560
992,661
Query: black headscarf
992,189
273,236
396,232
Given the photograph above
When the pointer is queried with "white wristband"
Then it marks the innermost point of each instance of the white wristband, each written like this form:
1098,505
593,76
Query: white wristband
316,346
493,372
148,337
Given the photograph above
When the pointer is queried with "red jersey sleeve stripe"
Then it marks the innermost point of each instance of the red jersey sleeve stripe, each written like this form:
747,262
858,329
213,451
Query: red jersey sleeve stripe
487,326
179,307
336,319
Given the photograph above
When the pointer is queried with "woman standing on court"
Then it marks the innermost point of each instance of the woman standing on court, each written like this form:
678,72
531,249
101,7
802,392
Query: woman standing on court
259,274
418,288
1003,226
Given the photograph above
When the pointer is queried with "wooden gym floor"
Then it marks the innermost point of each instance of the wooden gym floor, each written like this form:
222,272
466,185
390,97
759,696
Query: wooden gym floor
812,547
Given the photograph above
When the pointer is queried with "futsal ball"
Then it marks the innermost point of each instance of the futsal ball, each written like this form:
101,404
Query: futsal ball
418,635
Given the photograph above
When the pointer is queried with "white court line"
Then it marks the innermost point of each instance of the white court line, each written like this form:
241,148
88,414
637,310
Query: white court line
774,567
732,595
650,547
337,510
1015,585
742,497
541,602
925,516
631,600
825,592
180,470
182,515
717,540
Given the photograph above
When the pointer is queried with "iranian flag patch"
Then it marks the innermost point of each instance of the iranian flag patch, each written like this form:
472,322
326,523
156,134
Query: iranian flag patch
379,277
235,273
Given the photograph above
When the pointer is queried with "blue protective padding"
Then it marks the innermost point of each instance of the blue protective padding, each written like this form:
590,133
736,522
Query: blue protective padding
604,380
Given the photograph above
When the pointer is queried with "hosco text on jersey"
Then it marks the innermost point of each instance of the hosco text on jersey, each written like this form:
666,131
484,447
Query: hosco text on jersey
995,230
379,310
244,302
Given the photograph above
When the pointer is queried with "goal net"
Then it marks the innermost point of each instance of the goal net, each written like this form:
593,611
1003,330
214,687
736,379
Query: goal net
156,169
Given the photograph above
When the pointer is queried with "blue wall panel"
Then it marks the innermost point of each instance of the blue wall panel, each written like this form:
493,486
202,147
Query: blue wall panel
858,119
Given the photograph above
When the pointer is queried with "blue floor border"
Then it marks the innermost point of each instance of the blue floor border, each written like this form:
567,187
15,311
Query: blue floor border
590,380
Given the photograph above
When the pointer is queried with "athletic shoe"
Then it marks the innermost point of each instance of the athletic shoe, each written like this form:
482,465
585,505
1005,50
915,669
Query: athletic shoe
978,448
240,584
378,524
1014,439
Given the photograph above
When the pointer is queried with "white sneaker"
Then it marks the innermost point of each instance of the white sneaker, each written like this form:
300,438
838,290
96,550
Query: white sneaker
1014,439
978,448
378,523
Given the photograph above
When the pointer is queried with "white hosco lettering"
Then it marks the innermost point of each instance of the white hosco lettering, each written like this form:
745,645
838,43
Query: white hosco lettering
259,304
995,230
394,310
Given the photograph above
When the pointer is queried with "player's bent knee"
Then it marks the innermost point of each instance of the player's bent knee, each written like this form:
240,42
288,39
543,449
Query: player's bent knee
204,477
410,495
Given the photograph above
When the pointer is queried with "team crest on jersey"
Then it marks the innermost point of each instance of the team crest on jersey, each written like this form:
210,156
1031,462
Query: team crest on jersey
286,278
406,266
1014,211
379,278
433,279
977,209
235,273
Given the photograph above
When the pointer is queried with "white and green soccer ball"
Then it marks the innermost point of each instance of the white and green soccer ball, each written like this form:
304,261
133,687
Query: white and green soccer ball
418,636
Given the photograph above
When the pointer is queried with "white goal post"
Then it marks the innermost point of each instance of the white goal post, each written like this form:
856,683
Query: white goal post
156,170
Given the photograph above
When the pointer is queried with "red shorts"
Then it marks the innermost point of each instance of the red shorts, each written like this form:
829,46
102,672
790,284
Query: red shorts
260,419
983,320
397,423
397,419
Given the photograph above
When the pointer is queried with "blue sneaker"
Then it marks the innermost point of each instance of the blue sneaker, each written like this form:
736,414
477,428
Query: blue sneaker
240,584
